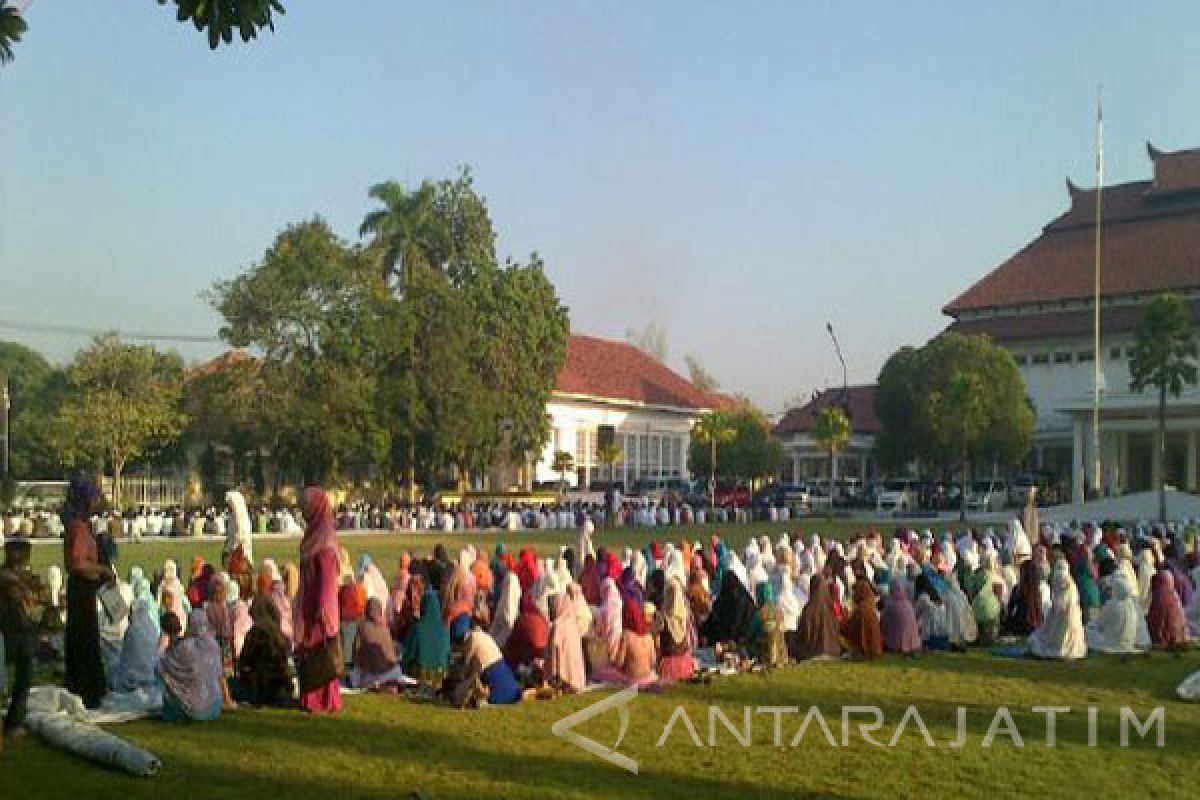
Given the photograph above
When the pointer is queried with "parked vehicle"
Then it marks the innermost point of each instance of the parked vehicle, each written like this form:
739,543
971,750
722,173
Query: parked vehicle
896,496
659,489
733,495
1021,488
988,496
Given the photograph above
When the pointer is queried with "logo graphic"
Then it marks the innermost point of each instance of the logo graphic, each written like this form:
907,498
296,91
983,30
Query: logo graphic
564,728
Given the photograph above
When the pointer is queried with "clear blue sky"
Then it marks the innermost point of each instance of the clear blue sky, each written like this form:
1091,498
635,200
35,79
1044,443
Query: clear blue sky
741,172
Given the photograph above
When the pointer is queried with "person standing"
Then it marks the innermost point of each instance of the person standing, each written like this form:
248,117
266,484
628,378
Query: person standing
317,618
21,596
85,575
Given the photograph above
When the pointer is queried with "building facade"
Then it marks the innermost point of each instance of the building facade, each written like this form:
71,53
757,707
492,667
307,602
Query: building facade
1039,305
804,460
609,391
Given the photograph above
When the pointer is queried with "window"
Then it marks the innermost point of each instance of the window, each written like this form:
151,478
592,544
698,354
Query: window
1020,359
1085,356
1041,358
1129,352
1115,354
1062,357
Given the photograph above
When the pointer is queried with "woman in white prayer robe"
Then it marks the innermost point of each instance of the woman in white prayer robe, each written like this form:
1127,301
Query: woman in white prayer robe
1061,635
1119,627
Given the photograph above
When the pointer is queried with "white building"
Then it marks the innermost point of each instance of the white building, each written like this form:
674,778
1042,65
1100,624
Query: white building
804,460
1038,304
613,389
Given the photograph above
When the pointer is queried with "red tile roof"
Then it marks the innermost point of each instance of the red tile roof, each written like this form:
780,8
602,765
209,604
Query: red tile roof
861,403
620,371
1150,244
1122,319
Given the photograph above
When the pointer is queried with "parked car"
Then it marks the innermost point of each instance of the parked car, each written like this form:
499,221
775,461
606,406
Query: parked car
988,496
659,489
896,496
1020,489
733,495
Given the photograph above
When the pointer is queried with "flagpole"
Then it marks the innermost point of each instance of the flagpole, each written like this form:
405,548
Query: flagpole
1096,464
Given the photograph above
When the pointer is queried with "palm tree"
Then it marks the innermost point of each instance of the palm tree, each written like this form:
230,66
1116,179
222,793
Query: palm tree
831,430
403,228
609,454
1164,353
564,462
12,26
713,429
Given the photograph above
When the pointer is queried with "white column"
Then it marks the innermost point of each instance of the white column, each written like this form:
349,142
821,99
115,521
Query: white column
862,471
1191,461
1078,475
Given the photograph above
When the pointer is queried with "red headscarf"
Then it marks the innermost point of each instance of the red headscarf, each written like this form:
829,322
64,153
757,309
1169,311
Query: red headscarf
633,617
527,569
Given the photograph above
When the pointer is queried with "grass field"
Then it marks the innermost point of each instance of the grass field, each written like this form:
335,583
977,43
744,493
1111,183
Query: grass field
389,747
385,548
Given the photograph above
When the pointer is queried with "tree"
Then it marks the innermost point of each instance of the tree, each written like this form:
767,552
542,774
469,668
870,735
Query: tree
713,429
311,308
35,391
701,378
124,402
831,430
225,402
652,339
220,18
564,462
924,393
12,27
959,405
609,455
1164,354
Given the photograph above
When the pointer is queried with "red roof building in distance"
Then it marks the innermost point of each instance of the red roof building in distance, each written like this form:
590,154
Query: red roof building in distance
805,460
613,393
603,369
858,401
1039,305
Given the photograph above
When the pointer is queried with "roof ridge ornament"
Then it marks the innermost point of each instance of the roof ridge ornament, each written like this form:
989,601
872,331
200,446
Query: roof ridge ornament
1152,151
1073,190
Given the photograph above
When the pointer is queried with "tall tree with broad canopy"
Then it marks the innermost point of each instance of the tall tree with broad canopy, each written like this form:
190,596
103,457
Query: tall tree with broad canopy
123,404
1164,358
310,310
35,391
956,400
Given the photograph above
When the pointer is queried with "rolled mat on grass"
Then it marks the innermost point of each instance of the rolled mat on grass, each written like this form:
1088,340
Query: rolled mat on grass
92,743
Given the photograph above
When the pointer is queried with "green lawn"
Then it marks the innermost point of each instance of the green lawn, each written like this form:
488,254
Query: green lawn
385,549
388,747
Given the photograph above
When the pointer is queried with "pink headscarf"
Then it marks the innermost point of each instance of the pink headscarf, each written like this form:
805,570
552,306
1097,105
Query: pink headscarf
607,622
320,532
565,653
899,621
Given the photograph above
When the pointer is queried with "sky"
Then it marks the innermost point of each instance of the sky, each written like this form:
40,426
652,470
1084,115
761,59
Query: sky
740,173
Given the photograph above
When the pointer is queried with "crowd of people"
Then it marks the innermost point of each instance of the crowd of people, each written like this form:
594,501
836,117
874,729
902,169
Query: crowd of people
149,521
470,627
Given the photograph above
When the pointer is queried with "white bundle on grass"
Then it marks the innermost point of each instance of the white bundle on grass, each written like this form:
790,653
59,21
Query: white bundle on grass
92,743
1190,688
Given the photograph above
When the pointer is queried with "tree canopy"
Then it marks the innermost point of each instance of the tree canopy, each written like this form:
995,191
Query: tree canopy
956,396
746,451
413,352
35,390
123,404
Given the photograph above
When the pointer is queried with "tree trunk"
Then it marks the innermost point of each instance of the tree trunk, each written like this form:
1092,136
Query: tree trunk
712,477
410,471
966,468
118,468
1161,455
831,456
